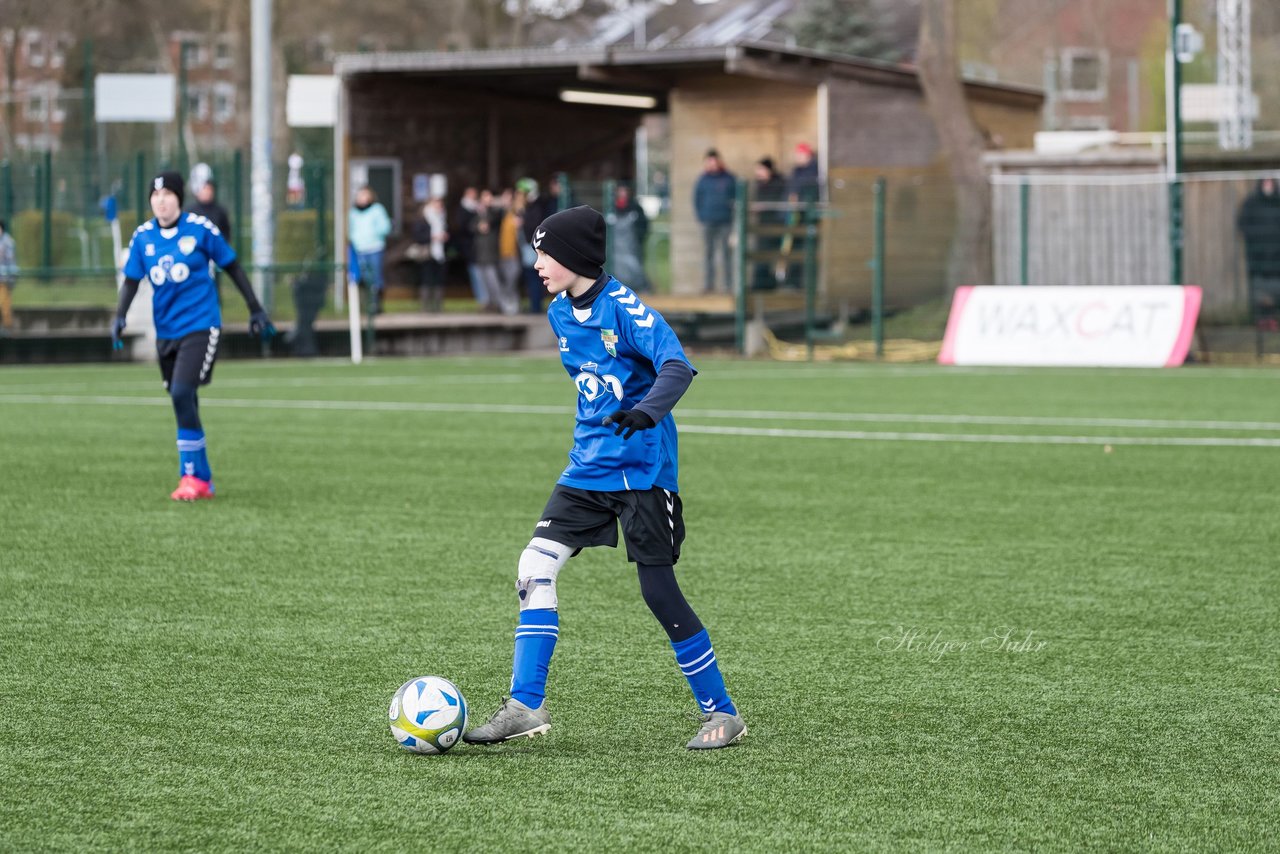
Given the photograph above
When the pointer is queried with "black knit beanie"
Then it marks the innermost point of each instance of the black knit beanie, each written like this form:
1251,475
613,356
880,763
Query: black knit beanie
169,181
575,238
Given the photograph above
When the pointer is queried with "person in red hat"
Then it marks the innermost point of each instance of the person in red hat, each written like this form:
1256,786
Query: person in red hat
803,188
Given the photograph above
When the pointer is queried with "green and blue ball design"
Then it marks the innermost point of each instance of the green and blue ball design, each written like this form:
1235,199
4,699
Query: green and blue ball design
428,715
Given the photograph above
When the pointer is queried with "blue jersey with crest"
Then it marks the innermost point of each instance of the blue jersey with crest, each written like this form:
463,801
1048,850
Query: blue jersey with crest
613,351
176,260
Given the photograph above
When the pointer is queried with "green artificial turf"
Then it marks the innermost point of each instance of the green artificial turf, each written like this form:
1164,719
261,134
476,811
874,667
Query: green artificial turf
939,639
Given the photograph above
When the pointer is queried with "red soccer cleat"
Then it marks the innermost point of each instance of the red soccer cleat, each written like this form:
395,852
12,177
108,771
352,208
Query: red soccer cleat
192,489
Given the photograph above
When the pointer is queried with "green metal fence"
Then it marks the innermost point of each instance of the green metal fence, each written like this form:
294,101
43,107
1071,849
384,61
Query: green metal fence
64,242
867,265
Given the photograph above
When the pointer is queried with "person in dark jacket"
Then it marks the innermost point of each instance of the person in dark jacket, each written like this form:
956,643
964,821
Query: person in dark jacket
771,189
804,187
464,235
713,198
1259,224
207,206
430,234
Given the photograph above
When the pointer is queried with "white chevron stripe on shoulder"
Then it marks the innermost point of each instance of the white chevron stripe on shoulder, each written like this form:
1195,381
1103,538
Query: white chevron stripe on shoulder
627,300
637,311
646,323
621,290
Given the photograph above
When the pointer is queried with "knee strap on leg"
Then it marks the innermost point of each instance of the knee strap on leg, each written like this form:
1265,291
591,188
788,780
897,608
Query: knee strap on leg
540,563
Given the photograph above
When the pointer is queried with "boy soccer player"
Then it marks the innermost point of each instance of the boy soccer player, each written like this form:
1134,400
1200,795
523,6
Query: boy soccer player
173,251
630,370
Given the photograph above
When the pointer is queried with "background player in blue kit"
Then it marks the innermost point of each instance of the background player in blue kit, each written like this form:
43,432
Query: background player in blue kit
173,251
630,370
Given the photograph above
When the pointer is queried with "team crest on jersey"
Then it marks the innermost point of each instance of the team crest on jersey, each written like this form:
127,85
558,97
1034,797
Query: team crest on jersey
564,344
187,245
610,340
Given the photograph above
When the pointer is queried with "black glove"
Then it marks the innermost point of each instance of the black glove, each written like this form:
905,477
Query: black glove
117,329
630,420
260,325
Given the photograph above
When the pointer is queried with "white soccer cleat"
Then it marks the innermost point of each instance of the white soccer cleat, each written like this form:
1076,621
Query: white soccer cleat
513,719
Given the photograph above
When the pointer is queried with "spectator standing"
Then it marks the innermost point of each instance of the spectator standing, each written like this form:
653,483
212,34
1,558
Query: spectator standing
713,198
803,189
367,228
1259,224
551,202
630,228
804,186
536,209
485,237
206,205
509,276
430,234
464,240
662,190
8,276
295,189
771,189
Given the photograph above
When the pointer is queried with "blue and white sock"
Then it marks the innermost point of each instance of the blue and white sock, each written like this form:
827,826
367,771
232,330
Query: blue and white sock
192,458
536,636
697,662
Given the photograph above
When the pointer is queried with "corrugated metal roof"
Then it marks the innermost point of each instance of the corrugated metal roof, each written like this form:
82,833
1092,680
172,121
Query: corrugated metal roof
675,55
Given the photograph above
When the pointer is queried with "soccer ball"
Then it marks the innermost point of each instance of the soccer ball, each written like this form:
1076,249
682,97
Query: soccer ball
428,714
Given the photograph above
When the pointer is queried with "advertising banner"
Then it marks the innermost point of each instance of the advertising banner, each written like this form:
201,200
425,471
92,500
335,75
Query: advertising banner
1138,327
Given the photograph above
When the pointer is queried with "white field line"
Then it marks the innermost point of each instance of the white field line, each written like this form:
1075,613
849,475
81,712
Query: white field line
784,372
337,381
998,420
769,432
755,415
985,438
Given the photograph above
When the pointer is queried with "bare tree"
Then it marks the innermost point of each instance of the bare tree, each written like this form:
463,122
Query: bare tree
962,143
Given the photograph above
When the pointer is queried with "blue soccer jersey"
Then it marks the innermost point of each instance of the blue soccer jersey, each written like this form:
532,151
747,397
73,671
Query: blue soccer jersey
613,350
176,260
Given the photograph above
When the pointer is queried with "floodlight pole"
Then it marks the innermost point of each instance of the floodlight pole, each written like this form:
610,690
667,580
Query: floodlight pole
90,203
182,107
260,166
1173,89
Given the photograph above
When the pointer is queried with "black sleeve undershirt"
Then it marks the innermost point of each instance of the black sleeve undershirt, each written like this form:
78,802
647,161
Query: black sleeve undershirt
673,380
236,272
128,291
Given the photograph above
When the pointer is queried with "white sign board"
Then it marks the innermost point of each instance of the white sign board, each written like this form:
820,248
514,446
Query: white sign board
1133,327
312,101
1206,102
134,97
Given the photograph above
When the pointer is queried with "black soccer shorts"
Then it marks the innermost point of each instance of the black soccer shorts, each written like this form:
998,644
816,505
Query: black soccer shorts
652,522
189,359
